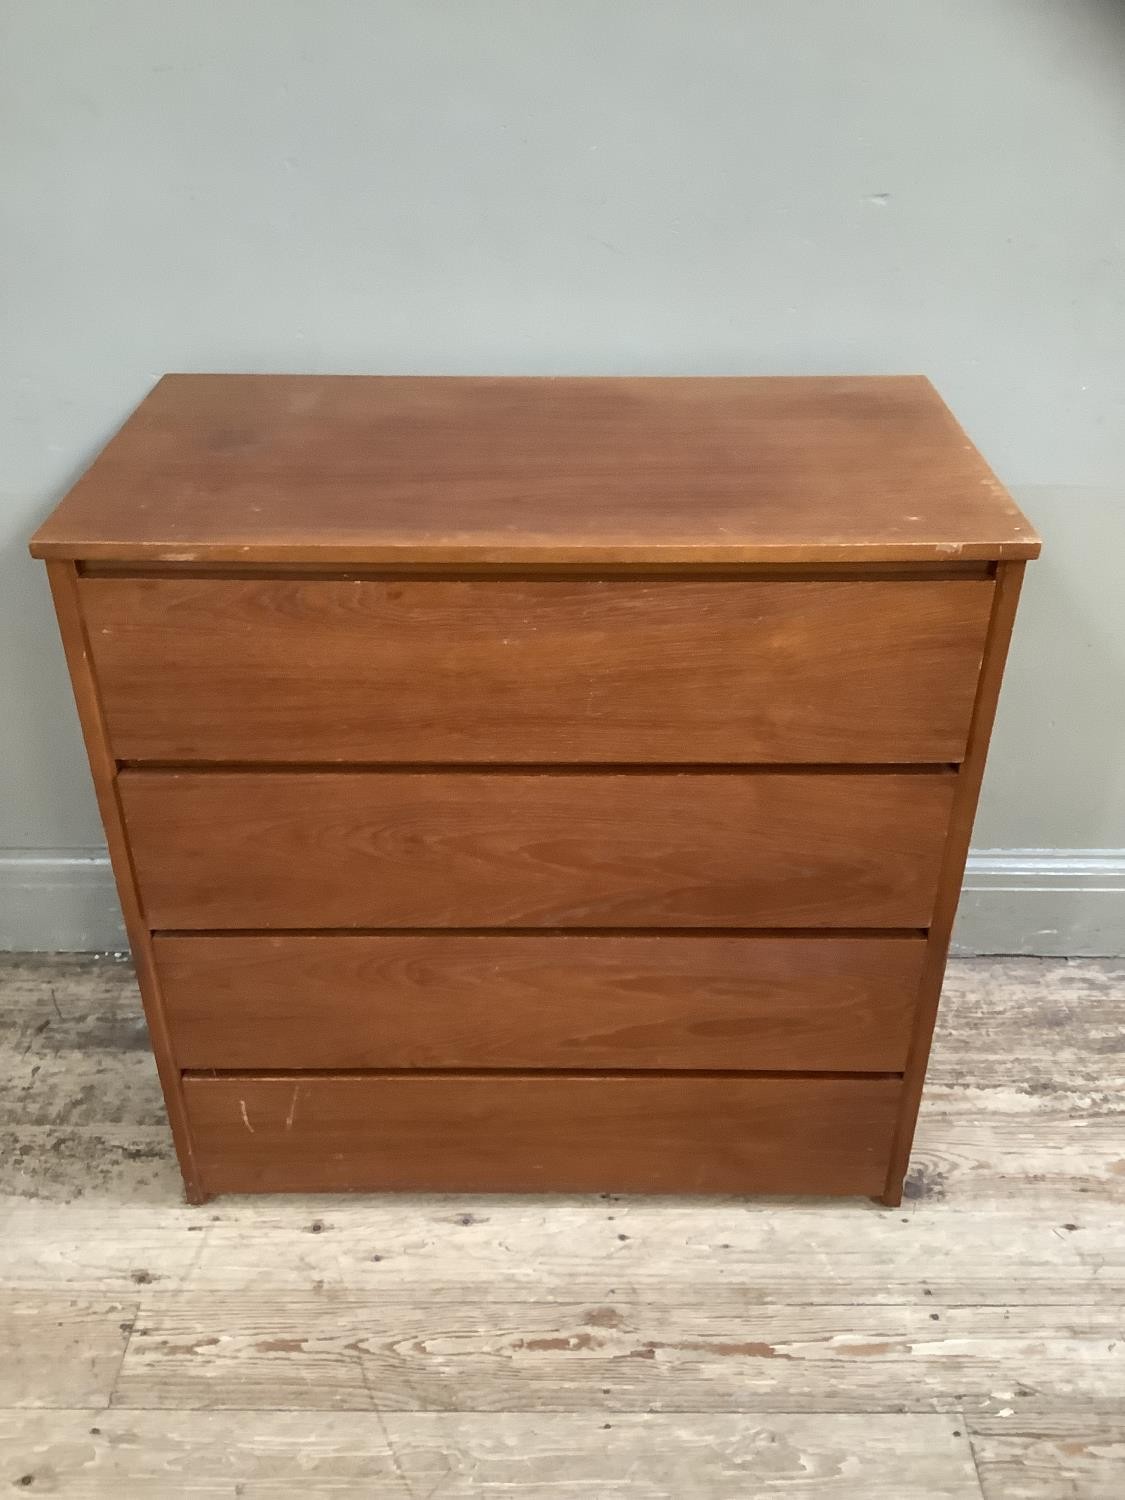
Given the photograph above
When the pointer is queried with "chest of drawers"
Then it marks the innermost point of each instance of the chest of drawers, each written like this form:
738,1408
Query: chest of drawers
526,784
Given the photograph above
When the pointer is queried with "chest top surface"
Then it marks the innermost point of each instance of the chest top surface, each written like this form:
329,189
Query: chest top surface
464,471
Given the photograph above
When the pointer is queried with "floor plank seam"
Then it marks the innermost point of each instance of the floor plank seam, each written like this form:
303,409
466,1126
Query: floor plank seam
124,1352
110,1397
971,1437
934,1409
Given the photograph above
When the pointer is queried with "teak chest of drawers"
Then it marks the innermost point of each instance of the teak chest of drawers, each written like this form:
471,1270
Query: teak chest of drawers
538,784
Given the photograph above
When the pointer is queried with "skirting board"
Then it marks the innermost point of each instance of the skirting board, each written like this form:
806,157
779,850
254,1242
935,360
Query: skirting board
1067,903
58,901
1054,902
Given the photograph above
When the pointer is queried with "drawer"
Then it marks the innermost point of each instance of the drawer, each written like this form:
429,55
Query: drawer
603,1133
617,670
221,849
336,1001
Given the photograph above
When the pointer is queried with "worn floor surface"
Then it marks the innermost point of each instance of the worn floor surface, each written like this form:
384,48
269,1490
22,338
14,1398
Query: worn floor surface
969,1343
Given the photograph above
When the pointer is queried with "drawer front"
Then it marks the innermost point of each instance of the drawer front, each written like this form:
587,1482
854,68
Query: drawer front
370,849
460,1133
282,670
524,1001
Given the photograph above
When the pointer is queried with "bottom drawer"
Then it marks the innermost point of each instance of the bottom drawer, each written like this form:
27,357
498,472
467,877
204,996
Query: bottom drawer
541,1133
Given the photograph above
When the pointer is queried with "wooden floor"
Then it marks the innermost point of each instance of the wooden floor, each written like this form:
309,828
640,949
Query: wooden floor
969,1343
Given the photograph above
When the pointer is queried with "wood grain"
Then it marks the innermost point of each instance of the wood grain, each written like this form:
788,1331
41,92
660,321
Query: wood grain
527,1132
1014,1243
355,469
1004,1247
139,1455
290,849
62,1348
1044,1450
1016,1141
1002,1162
336,636
458,1001
284,670
1009,580
63,580
334,1350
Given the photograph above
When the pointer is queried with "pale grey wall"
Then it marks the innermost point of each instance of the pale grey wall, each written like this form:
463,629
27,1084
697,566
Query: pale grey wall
521,185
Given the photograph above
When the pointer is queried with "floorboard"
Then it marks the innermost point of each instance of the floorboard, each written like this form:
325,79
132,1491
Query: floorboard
130,1455
967,1344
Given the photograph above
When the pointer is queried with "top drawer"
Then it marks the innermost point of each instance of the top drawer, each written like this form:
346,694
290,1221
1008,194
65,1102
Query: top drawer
612,670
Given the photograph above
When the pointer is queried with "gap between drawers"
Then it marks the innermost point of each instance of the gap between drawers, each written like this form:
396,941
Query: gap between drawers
295,1075
798,934
533,768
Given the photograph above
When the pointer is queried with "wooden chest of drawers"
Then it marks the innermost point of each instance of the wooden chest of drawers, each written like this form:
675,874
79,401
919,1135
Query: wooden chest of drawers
538,784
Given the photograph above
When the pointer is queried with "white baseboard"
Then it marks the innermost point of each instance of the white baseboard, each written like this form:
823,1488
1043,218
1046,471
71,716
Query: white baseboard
58,901
1065,902
1055,902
